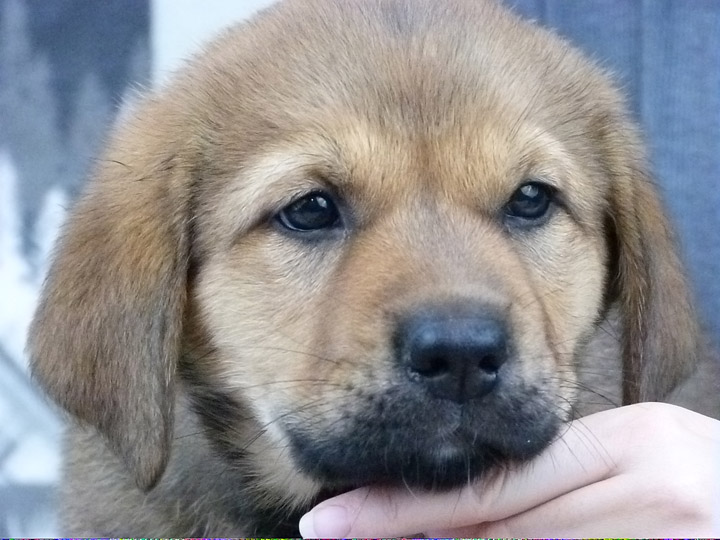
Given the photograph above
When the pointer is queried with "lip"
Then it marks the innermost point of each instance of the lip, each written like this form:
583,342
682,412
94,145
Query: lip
438,457
449,451
442,463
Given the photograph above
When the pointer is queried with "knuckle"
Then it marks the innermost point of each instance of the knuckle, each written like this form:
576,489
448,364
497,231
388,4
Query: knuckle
654,422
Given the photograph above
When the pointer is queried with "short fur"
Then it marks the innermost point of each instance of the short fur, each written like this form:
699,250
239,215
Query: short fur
227,374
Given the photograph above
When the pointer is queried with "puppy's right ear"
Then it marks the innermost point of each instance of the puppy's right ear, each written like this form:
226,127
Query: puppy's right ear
106,335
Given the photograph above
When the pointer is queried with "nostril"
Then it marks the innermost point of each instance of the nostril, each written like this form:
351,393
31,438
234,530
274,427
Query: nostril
433,366
490,363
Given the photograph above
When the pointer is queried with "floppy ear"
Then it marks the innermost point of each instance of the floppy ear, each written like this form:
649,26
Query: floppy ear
106,336
660,330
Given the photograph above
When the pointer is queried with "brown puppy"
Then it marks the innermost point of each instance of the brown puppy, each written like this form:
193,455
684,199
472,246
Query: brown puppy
353,242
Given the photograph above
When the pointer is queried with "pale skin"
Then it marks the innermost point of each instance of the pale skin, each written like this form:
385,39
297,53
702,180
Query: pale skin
645,470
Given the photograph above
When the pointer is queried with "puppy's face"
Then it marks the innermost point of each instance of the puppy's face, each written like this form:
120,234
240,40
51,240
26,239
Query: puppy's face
396,279
371,239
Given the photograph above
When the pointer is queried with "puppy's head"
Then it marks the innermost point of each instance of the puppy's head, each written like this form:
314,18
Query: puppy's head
386,230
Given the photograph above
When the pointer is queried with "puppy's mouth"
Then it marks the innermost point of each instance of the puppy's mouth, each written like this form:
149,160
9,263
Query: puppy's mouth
434,466
433,445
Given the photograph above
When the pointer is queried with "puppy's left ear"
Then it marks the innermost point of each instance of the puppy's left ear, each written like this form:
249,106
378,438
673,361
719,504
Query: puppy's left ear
660,329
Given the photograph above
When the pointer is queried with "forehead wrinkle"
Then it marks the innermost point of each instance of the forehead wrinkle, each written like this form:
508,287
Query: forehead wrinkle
553,162
271,180
483,167
378,160
354,161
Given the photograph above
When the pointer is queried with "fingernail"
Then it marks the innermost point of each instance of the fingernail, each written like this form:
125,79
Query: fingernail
325,522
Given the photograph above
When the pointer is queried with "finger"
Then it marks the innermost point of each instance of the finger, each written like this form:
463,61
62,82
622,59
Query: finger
588,511
608,509
575,460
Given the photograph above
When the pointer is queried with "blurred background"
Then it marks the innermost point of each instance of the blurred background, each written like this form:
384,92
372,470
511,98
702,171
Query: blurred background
67,66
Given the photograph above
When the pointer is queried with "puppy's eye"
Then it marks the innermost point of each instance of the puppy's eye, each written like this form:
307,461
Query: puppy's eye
530,202
310,213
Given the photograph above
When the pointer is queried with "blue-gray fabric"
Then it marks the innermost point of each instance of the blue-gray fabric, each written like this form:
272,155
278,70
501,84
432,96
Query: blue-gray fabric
666,55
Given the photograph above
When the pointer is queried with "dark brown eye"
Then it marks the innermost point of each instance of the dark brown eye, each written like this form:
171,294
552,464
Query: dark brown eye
311,212
530,202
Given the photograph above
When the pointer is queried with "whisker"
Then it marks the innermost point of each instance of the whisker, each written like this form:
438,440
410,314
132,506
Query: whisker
293,351
579,385
313,380
594,443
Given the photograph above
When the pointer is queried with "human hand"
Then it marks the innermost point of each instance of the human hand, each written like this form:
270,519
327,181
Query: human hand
645,470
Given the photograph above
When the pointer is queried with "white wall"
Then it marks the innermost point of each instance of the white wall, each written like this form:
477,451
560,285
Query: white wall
179,27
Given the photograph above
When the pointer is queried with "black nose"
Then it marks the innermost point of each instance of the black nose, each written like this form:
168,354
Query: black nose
455,356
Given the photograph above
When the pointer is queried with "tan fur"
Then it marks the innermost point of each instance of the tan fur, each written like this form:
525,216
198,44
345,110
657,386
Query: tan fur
173,299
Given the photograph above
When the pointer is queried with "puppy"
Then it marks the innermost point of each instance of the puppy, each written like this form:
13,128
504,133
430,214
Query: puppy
353,242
